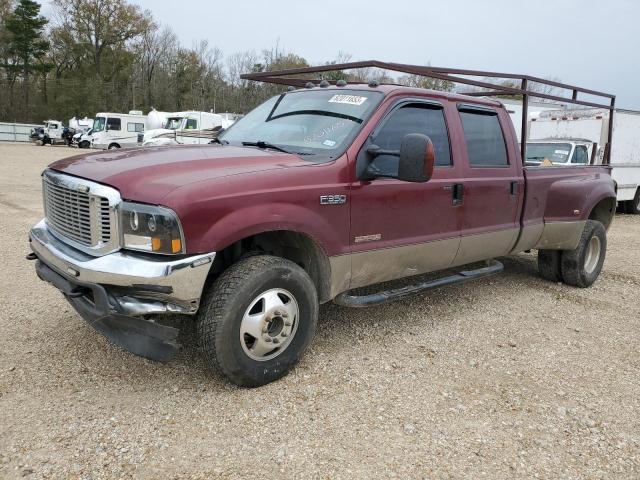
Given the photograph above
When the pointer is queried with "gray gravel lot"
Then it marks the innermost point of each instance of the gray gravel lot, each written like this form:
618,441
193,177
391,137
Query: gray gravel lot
510,377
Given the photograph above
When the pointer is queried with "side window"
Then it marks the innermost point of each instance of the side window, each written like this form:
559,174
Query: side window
580,155
485,141
114,123
135,127
412,118
192,124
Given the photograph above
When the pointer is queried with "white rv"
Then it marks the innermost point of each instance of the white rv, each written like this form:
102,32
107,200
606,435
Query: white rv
189,127
117,130
591,125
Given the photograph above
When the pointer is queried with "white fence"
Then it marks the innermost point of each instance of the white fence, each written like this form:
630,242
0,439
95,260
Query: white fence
16,132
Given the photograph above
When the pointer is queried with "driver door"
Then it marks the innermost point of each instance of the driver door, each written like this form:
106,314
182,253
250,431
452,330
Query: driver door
400,229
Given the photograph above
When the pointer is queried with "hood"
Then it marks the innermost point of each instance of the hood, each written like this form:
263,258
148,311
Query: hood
149,174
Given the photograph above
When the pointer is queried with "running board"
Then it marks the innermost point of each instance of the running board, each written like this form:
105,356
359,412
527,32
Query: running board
347,300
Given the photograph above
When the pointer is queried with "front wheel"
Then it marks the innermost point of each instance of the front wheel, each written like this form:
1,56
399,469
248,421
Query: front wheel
581,267
257,319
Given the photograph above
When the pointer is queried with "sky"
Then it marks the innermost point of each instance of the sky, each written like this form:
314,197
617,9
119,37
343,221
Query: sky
589,43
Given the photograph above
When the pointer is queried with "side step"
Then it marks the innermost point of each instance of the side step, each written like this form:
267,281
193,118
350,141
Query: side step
347,300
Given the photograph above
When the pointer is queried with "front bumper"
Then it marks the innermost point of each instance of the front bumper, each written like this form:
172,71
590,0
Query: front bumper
116,292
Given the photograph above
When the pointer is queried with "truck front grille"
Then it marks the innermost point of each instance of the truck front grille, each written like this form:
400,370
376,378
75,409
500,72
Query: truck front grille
78,215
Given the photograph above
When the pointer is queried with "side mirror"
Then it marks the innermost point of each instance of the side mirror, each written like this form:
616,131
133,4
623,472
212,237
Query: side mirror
417,158
106,127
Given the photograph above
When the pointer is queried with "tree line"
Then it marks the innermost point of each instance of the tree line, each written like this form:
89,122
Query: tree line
111,55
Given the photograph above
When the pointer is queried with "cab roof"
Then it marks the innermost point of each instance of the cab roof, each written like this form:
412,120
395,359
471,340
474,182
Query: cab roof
392,89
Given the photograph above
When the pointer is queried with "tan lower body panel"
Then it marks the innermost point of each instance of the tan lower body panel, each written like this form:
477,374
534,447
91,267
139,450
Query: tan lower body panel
381,265
529,237
484,246
376,266
561,235
340,274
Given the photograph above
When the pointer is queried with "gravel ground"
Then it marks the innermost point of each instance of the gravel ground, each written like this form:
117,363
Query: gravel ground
503,378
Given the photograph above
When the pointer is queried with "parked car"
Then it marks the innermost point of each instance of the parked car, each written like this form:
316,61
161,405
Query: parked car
53,133
591,125
315,193
82,139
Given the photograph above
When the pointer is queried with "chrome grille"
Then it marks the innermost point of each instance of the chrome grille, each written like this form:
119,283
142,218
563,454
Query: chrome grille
105,220
80,212
68,211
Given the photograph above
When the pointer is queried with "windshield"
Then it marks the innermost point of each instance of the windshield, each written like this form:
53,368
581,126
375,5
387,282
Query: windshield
316,123
553,152
173,123
98,124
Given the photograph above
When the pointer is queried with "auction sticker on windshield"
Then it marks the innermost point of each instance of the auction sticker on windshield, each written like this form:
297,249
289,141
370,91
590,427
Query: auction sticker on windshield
348,99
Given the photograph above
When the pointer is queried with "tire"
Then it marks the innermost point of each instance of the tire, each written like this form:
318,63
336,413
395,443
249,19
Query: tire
581,267
549,265
245,290
113,146
633,206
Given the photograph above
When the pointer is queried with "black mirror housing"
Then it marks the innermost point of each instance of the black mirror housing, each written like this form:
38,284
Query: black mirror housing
417,157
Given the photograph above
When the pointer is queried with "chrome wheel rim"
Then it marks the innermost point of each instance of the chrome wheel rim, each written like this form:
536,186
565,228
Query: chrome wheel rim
592,255
269,324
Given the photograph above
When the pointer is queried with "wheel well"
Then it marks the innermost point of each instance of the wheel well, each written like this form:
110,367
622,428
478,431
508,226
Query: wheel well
297,247
603,212
114,144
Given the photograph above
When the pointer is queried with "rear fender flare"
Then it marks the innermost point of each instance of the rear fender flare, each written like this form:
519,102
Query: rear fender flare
574,199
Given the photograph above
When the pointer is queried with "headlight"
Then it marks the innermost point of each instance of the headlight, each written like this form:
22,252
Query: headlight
150,229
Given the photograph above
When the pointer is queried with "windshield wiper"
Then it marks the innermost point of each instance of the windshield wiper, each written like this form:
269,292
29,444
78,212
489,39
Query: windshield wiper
261,144
221,142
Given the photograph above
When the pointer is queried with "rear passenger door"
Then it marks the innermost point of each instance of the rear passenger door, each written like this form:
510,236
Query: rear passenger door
492,185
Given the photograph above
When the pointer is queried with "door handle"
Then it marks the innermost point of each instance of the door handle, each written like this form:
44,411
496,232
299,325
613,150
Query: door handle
514,188
458,194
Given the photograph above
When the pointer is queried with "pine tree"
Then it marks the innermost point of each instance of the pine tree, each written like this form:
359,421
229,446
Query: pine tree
26,43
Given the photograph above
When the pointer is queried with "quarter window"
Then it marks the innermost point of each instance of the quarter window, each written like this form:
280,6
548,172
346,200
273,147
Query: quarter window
113,123
135,127
192,124
412,118
485,141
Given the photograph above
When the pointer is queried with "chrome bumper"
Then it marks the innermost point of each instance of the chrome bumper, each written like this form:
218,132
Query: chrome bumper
139,283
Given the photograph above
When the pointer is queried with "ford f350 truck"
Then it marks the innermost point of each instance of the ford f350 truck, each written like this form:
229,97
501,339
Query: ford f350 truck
315,193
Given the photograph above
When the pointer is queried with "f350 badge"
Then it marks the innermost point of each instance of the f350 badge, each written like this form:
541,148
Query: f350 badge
333,199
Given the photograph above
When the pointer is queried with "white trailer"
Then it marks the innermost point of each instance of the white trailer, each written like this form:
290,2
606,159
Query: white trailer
117,130
189,127
534,110
592,125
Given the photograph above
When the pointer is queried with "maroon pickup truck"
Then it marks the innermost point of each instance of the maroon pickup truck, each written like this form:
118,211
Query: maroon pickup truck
315,193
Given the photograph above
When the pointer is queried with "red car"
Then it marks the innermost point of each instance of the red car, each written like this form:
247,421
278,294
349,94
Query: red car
313,194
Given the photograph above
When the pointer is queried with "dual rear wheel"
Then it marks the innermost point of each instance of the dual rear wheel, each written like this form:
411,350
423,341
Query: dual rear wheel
579,267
